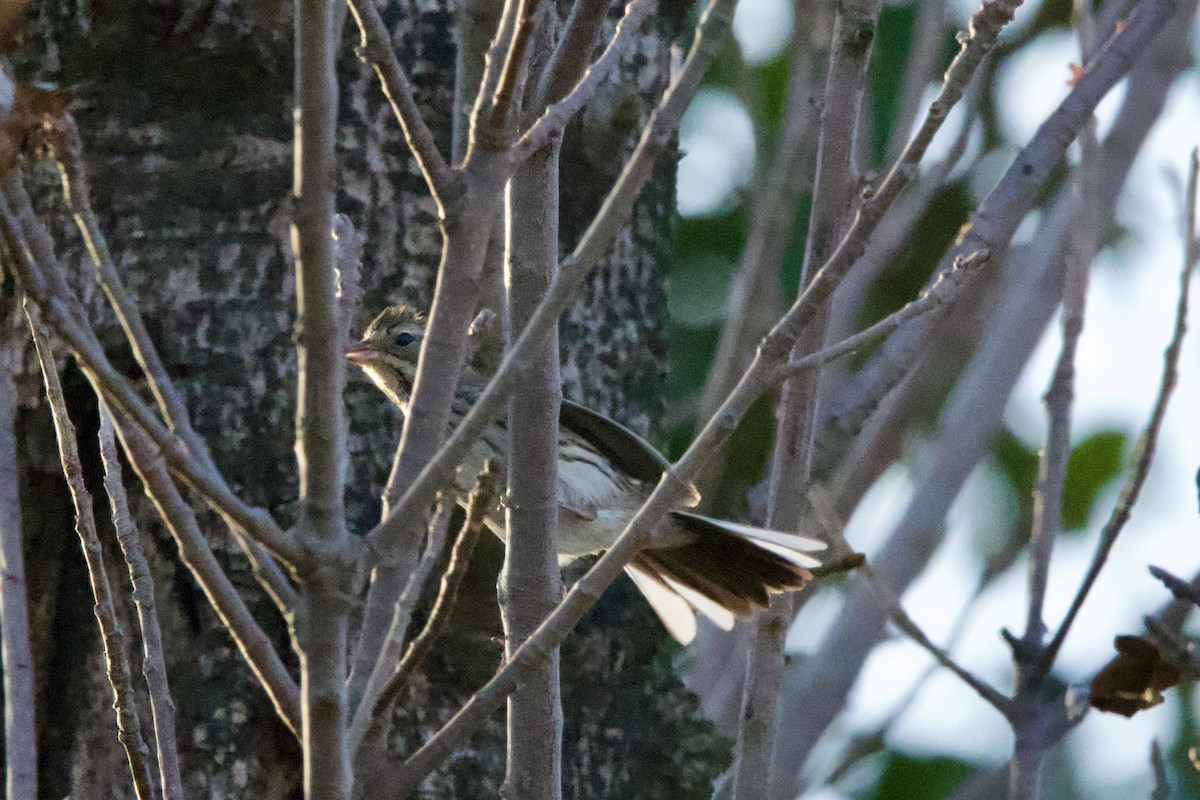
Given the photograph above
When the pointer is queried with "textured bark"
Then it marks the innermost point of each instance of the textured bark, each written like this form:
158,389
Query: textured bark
189,147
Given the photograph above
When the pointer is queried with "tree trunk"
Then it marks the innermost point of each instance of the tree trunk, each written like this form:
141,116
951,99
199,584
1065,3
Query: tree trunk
185,111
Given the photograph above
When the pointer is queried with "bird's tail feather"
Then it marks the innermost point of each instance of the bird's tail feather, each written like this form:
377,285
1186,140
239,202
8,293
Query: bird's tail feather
726,571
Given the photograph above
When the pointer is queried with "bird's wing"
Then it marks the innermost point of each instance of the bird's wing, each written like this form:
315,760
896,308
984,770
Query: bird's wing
628,452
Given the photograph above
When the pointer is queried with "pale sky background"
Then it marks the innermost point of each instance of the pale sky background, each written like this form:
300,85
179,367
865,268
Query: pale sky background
1130,312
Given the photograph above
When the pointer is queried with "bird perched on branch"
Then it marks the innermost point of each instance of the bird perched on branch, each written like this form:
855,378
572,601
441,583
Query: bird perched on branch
719,569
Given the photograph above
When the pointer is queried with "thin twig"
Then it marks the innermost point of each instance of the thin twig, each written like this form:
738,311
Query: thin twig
20,731
1178,586
196,554
376,49
501,118
1144,454
934,298
479,505
393,648
116,652
162,707
900,618
554,119
994,697
1029,706
572,53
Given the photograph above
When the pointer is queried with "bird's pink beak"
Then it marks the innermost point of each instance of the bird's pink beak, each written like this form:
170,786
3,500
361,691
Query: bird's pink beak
362,356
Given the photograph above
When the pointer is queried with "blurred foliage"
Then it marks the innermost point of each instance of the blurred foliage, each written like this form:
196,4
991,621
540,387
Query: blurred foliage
1094,464
908,777
902,279
708,251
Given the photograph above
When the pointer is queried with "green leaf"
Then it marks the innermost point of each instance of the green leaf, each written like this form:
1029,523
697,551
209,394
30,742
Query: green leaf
1094,464
917,778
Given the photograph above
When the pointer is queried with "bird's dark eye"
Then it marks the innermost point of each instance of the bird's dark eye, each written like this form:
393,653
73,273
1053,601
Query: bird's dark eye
405,339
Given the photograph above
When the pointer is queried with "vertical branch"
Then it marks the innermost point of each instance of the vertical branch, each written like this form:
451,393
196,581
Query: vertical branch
116,653
1029,729
853,38
320,414
321,619
20,732
1148,441
530,585
162,707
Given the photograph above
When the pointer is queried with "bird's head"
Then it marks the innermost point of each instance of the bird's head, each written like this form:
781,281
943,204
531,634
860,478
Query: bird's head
389,349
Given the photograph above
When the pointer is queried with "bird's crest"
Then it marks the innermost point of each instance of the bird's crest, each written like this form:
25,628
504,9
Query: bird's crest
393,318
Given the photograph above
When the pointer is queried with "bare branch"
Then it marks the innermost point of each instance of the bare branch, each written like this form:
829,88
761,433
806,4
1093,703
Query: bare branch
20,731
555,118
1144,454
162,707
393,648
573,52
479,504
194,551
941,293
905,623
320,624
37,267
501,118
530,581
376,49
116,652
1179,587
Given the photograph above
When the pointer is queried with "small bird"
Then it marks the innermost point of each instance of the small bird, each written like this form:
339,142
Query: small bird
719,569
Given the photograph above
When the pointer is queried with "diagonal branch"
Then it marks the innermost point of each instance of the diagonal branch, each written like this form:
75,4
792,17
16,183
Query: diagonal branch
989,693
31,249
116,650
375,703
393,649
162,707
194,551
63,138
550,125
376,50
